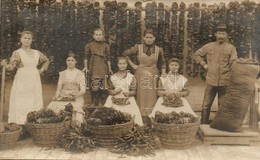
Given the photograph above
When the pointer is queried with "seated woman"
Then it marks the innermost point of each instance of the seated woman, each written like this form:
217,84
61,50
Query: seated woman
172,90
122,84
71,88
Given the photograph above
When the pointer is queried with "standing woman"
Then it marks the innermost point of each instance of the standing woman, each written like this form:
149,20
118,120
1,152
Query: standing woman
150,57
26,92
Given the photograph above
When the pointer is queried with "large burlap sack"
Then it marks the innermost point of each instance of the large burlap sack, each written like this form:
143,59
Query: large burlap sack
234,105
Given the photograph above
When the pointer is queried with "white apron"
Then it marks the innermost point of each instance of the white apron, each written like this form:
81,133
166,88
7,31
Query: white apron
26,92
132,108
70,82
173,87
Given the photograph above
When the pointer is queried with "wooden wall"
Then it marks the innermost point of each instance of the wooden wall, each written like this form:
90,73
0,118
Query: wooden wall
182,28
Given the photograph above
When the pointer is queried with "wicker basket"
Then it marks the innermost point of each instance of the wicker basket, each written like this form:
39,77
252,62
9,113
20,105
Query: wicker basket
46,135
106,135
176,136
9,139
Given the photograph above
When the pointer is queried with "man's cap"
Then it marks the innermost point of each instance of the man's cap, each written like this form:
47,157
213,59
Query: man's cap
221,27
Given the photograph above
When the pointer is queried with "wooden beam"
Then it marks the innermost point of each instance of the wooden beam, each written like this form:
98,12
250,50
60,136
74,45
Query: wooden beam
254,107
2,128
211,136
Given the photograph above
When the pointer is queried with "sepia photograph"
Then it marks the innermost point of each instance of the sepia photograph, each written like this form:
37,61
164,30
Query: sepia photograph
130,79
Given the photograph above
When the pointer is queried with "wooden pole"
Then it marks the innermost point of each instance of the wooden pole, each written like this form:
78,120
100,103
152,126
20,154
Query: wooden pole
2,128
254,106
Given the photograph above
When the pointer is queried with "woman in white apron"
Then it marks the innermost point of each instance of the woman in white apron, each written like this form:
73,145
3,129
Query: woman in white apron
172,85
71,89
26,92
121,85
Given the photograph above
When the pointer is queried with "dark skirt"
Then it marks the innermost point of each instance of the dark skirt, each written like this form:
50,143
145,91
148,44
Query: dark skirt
98,73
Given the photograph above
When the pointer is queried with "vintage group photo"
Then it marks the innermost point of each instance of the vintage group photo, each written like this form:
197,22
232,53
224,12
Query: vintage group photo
130,79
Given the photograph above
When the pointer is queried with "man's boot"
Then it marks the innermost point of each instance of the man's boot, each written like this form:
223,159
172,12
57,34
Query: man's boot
205,116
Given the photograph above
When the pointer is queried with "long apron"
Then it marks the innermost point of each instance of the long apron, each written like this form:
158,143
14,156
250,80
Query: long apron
26,92
147,74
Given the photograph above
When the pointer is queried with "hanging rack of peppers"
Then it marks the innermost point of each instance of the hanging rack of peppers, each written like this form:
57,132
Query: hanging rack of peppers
192,69
51,25
109,21
161,22
256,40
8,29
131,28
232,20
254,33
174,30
49,44
134,24
59,25
196,35
96,15
204,32
65,29
189,61
134,27
80,46
180,48
166,36
220,13
182,10
39,32
72,14
84,12
204,27
27,15
138,17
151,16
121,28
211,23
246,21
